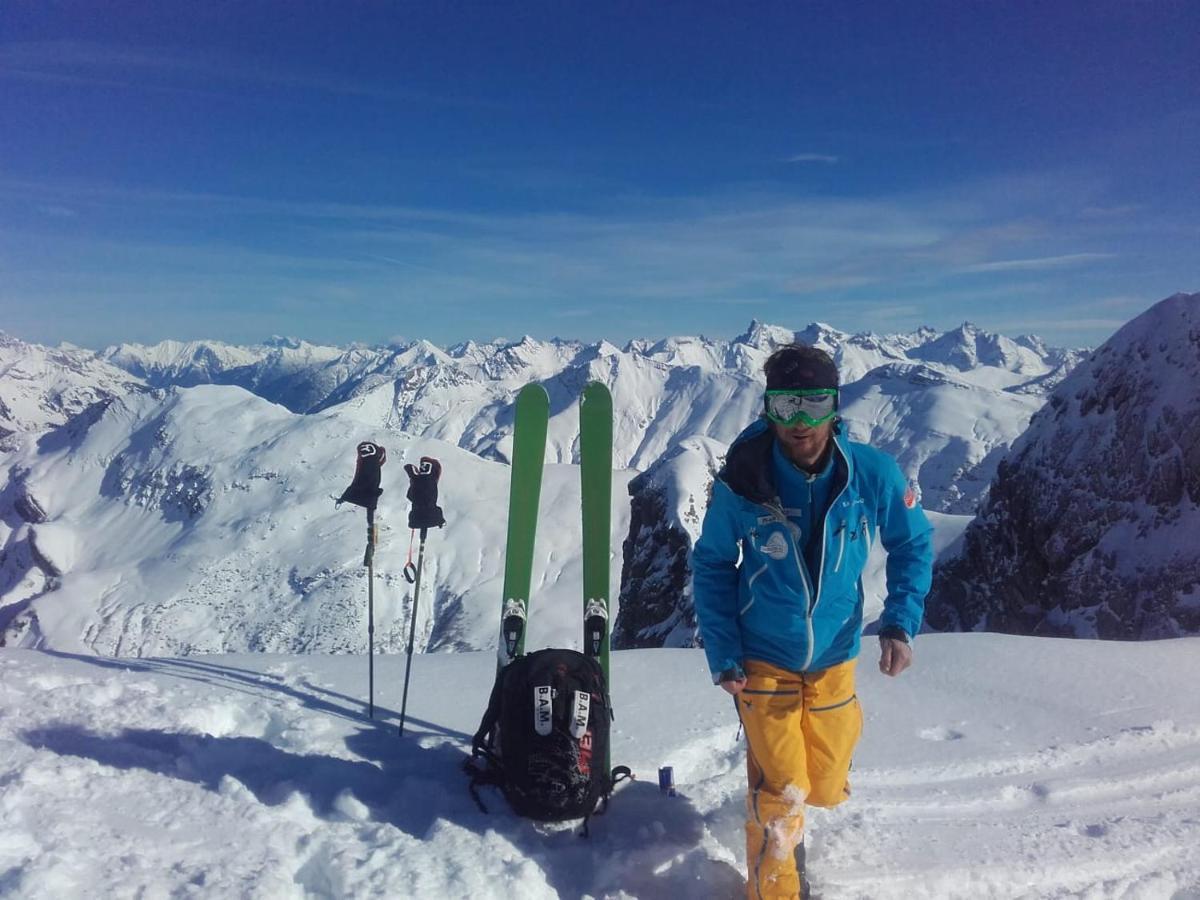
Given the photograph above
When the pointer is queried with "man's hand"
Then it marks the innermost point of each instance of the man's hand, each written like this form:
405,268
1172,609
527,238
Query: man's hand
732,680
733,686
895,656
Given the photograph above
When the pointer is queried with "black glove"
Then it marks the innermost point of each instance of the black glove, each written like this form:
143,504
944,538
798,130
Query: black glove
365,489
423,494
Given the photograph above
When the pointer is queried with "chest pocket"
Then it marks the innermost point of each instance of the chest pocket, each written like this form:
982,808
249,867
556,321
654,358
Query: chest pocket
853,541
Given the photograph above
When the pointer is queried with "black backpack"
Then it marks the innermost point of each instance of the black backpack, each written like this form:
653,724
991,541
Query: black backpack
544,737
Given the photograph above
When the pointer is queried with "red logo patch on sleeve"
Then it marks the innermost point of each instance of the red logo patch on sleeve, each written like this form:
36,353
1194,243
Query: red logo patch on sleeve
910,497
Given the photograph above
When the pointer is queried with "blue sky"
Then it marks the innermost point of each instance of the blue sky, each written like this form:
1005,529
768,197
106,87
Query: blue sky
454,170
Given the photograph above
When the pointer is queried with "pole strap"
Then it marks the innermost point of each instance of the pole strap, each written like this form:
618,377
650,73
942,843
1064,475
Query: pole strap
410,571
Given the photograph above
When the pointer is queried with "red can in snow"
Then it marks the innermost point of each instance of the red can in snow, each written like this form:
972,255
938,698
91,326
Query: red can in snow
666,780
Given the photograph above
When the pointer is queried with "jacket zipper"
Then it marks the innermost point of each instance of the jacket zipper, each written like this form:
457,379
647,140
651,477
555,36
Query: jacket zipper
775,507
824,530
750,587
841,530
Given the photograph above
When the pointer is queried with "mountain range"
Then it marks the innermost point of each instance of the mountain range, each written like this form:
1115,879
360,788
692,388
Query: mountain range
175,498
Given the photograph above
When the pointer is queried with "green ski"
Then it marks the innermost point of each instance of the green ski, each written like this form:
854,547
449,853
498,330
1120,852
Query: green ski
595,463
525,488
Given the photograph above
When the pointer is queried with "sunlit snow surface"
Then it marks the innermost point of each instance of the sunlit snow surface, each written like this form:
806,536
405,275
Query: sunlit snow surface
998,767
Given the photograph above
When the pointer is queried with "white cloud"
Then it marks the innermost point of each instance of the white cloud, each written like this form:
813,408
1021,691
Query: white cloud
744,247
1037,264
159,69
814,158
572,313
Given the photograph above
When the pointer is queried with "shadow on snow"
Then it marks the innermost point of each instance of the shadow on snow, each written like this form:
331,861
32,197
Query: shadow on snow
644,845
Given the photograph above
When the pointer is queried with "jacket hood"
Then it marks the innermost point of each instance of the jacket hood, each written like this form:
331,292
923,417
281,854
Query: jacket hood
749,471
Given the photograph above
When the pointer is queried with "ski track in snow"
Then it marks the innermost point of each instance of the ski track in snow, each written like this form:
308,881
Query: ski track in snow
259,776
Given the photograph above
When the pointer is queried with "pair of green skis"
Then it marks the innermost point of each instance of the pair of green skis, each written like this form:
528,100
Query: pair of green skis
595,458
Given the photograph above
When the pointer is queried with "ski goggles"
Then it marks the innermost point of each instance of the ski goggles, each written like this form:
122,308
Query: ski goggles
813,407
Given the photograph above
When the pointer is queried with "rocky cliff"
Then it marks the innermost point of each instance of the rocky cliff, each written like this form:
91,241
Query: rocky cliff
1090,526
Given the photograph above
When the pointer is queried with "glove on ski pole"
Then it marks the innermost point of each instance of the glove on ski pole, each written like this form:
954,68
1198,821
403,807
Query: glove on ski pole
424,514
423,494
364,491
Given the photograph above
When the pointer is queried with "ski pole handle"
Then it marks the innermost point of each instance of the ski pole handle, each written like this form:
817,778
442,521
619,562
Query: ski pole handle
372,534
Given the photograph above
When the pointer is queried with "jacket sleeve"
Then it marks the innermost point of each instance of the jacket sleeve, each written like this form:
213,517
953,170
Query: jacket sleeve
715,581
907,537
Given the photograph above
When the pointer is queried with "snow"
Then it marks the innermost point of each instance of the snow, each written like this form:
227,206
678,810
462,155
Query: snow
998,767
202,520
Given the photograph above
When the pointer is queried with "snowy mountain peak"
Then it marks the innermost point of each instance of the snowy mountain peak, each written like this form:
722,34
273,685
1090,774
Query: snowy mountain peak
1034,343
1168,328
44,387
1089,528
765,337
968,347
419,353
181,362
818,334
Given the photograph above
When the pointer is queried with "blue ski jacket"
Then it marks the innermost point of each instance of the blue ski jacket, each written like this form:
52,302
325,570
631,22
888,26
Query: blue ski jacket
756,597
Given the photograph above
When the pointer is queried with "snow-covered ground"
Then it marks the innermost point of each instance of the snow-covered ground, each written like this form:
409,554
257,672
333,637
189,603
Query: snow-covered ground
998,767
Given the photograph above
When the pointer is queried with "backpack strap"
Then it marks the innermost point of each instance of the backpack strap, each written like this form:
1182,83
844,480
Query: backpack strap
481,775
481,743
619,774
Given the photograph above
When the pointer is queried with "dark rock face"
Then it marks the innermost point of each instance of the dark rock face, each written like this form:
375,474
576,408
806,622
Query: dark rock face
1090,527
655,575
667,504
27,506
181,491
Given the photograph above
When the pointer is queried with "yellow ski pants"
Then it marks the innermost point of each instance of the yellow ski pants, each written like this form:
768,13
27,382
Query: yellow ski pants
801,730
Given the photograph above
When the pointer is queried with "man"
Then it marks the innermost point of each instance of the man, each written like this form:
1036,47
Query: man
777,588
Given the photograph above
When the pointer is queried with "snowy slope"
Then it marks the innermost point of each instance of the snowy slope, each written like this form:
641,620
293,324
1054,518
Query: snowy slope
948,433
258,776
202,520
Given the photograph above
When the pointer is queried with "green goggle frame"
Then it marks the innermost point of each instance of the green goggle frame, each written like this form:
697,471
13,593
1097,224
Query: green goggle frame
811,406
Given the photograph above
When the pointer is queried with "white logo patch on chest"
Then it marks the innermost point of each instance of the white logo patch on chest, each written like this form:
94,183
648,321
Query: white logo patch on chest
776,546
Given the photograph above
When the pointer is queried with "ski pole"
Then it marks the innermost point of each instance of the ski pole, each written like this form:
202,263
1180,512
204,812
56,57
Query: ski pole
412,631
369,562
364,491
424,514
